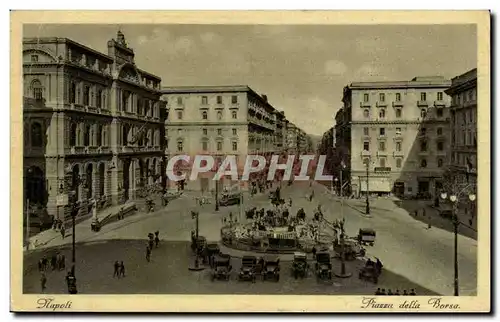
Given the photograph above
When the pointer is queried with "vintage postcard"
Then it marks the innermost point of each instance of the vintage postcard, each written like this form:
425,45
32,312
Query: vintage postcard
250,161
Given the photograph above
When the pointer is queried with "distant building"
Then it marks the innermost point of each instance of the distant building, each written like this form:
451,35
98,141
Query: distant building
91,124
395,135
220,120
463,124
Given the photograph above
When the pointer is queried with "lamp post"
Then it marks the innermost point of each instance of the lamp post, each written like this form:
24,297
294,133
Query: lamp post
367,187
217,187
197,267
454,198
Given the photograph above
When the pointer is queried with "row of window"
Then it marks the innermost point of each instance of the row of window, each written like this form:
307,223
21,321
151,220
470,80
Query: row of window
144,106
204,115
399,113
94,97
381,97
204,146
204,100
97,135
399,145
219,131
399,162
467,139
383,132
464,97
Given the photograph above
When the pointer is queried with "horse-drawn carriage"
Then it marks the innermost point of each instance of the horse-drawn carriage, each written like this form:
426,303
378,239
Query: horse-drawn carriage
299,265
271,269
323,265
221,267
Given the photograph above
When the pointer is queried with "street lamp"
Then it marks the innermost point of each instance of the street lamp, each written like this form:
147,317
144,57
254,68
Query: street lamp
340,226
367,187
197,267
335,180
454,198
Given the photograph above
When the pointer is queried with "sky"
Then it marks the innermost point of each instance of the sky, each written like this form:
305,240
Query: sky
301,68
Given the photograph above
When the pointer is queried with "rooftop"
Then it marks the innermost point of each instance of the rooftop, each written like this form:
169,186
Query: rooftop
416,82
58,40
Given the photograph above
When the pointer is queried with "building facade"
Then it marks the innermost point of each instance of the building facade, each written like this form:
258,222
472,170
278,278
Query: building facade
91,124
219,121
463,127
398,136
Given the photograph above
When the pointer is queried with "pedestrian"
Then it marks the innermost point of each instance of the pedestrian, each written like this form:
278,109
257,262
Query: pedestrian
53,261
148,254
63,262
43,282
378,291
389,292
412,292
383,292
314,252
397,292
151,243
157,239
405,293
63,231
117,270
40,265
122,269
45,263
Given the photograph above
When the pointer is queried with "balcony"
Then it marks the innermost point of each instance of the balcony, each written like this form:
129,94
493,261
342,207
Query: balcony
439,103
29,102
77,150
365,104
92,149
397,104
398,154
76,106
365,153
381,104
382,169
103,149
422,103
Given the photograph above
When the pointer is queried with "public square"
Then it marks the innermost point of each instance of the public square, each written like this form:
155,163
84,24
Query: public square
414,256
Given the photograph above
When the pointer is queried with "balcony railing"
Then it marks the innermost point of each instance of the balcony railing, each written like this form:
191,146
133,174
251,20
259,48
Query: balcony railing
77,150
365,104
439,103
397,104
422,103
381,104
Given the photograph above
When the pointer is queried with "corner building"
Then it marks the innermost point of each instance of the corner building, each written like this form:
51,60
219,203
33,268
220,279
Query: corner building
91,124
219,121
463,160
399,134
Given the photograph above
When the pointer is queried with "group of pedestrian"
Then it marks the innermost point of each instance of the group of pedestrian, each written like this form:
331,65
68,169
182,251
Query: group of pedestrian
382,291
119,269
153,241
57,262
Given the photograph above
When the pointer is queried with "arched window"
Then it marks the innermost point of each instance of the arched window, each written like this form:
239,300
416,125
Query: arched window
86,136
37,89
219,115
72,93
234,115
125,131
366,113
150,138
382,114
423,113
36,135
398,162
99,135
440,163
72,134
204,115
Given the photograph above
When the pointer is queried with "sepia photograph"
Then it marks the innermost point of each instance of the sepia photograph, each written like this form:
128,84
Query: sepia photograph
330,164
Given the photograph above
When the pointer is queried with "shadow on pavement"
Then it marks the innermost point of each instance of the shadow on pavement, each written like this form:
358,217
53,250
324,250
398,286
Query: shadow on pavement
168,273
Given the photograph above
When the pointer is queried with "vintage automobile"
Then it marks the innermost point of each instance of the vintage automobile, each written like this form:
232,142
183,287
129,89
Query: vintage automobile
228,199
366,236
352,249
323,265
299,265
222,267
271,269
371,271
247,271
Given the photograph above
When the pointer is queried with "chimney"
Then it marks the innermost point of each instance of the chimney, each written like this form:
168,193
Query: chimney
264,96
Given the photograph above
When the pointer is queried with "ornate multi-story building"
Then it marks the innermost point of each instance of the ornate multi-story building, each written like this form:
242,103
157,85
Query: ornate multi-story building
218,121
398,136
463,124
91,124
